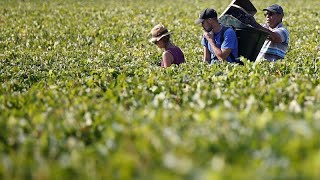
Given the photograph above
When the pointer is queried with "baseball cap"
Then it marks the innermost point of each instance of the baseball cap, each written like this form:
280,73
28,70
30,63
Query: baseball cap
274,8
206,14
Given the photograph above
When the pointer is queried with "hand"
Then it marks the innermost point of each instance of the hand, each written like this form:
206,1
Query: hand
207,35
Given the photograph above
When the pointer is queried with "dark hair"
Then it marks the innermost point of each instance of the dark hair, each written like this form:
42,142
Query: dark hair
166,39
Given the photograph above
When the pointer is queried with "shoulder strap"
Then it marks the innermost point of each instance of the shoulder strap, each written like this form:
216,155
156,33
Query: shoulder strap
224,29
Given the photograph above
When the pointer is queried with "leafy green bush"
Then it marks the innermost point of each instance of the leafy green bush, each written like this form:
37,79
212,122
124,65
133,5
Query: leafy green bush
81,96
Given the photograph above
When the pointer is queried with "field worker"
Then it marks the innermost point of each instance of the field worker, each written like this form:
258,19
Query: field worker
276,45
172,54
219,42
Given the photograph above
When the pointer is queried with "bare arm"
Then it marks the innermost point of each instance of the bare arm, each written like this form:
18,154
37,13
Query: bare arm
222,54
167,59
273,36
206,55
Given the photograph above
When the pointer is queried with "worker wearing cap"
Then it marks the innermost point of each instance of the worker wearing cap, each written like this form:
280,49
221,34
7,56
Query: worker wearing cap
215,50
276,45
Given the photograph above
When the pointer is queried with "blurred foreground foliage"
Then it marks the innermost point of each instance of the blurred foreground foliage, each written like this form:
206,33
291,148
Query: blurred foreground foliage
81,96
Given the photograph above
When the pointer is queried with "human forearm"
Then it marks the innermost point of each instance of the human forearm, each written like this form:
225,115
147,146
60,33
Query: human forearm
206,55
273,36
221,55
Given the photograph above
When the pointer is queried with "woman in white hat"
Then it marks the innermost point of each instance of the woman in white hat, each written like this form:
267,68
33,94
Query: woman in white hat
172,54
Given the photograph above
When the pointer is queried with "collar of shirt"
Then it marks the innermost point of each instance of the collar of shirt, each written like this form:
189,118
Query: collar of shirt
277,26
